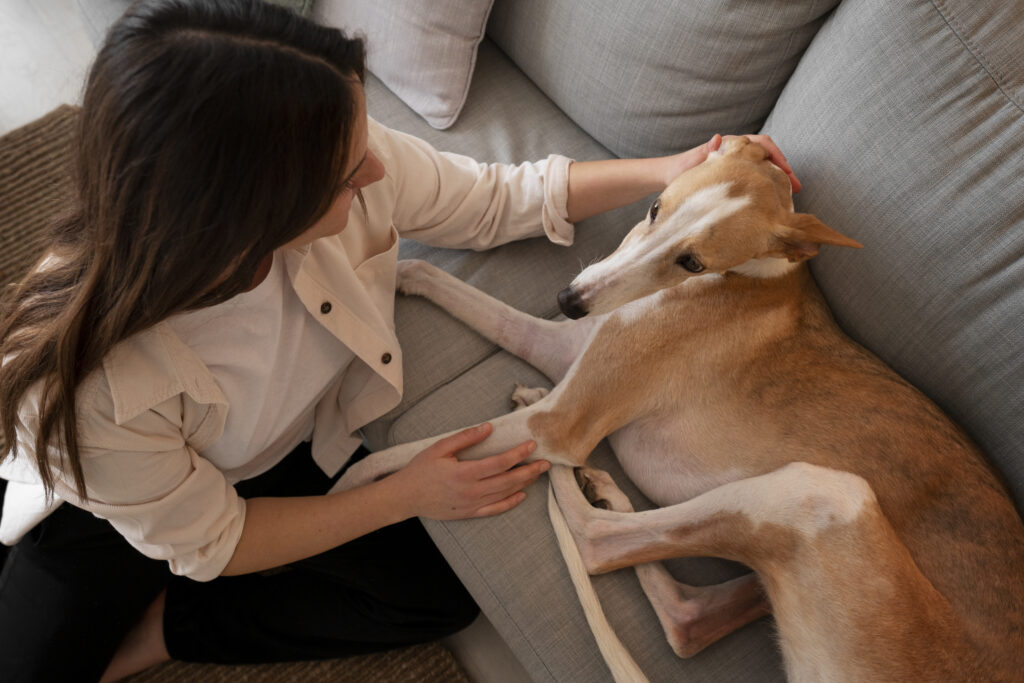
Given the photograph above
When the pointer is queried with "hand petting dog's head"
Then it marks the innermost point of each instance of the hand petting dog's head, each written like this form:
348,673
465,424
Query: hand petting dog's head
731,214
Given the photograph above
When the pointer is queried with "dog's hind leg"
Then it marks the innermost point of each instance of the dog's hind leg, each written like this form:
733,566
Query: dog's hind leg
693,617
848,598
549,346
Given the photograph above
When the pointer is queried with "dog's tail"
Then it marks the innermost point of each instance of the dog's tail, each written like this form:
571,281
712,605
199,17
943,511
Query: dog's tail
615,654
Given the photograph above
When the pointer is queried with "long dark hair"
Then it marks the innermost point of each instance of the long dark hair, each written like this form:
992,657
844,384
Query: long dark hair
211,133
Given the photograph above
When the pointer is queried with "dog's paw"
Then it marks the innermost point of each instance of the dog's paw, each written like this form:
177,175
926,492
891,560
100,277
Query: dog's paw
601,491
523,395
410,275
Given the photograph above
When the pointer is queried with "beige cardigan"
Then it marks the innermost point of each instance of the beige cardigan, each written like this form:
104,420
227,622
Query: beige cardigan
148,414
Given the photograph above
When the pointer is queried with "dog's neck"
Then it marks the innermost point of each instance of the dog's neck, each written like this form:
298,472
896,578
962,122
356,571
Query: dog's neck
765,268
737,293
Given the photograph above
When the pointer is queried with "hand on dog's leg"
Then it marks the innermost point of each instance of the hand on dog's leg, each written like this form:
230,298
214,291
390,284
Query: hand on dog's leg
508,432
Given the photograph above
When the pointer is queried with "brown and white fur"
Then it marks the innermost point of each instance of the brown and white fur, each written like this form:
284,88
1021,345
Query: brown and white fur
887,547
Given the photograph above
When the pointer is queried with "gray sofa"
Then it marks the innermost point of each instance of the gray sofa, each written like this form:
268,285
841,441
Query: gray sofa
905,121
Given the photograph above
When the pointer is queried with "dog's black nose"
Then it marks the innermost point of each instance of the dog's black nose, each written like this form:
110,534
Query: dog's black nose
571,303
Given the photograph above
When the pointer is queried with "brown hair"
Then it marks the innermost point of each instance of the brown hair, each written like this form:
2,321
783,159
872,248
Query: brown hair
211,133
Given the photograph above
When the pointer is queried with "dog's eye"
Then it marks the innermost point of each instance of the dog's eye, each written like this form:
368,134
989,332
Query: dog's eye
690,263
654,210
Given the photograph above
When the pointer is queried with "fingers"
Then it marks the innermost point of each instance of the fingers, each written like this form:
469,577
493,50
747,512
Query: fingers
506,489
500,479
499,475
501,506
774,153
514,479
490,485
777,157
461,440
502,462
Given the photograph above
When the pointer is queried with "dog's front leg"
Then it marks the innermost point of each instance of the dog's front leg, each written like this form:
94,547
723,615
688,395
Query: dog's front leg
508,432
549,346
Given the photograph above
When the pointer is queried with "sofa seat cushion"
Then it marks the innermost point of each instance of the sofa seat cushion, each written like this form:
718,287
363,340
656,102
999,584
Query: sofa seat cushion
904,121
653,77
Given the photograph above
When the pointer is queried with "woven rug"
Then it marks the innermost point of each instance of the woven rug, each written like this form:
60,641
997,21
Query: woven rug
430,663
34,187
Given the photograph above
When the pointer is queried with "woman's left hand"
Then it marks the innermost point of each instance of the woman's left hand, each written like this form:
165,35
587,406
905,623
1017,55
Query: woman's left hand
597,186
684,161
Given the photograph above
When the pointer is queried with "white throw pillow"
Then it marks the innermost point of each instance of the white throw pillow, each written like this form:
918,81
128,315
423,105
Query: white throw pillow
424,51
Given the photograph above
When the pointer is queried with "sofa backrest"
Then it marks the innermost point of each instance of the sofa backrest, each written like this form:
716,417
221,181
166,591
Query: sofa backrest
905,122
650,77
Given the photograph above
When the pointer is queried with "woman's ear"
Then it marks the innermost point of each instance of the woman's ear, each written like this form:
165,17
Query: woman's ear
801,236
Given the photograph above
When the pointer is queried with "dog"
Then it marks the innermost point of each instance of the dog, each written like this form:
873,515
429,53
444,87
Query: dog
880,539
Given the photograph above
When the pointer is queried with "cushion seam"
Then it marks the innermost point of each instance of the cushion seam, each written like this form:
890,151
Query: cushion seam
989,67
389,440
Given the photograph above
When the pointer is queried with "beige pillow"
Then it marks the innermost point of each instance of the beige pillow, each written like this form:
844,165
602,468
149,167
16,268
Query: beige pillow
423,50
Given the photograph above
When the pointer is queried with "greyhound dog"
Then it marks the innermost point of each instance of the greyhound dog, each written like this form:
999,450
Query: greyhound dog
881,540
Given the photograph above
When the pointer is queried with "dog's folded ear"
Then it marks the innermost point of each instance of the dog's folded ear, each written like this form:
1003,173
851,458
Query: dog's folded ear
801,236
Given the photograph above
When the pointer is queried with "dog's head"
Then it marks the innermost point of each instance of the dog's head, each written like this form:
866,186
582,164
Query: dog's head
732,213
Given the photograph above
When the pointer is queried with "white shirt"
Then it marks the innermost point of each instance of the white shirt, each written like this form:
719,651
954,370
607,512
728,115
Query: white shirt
273,361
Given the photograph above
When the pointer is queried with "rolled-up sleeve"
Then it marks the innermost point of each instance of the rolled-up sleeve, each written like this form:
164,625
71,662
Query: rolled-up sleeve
451,200
164,498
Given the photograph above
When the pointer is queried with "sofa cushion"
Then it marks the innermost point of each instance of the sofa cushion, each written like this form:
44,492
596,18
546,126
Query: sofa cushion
652,77
424,52
904,121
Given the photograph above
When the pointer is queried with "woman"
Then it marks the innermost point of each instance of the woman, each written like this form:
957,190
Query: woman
189,365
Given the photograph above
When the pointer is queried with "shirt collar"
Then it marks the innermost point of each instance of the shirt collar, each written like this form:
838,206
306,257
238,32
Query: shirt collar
151,367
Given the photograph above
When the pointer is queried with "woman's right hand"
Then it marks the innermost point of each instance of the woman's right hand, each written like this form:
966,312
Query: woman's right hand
437,485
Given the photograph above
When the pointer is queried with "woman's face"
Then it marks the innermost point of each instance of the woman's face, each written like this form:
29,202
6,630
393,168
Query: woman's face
364,168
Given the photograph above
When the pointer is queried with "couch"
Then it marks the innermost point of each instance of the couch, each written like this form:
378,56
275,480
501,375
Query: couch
904,119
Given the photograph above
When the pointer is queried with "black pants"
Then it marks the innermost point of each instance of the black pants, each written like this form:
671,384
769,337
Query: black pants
73,587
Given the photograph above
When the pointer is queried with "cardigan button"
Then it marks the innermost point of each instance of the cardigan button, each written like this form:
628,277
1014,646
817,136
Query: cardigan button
325,307
386,358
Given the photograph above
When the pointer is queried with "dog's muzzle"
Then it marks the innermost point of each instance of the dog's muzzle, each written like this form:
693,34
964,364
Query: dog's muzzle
571,303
